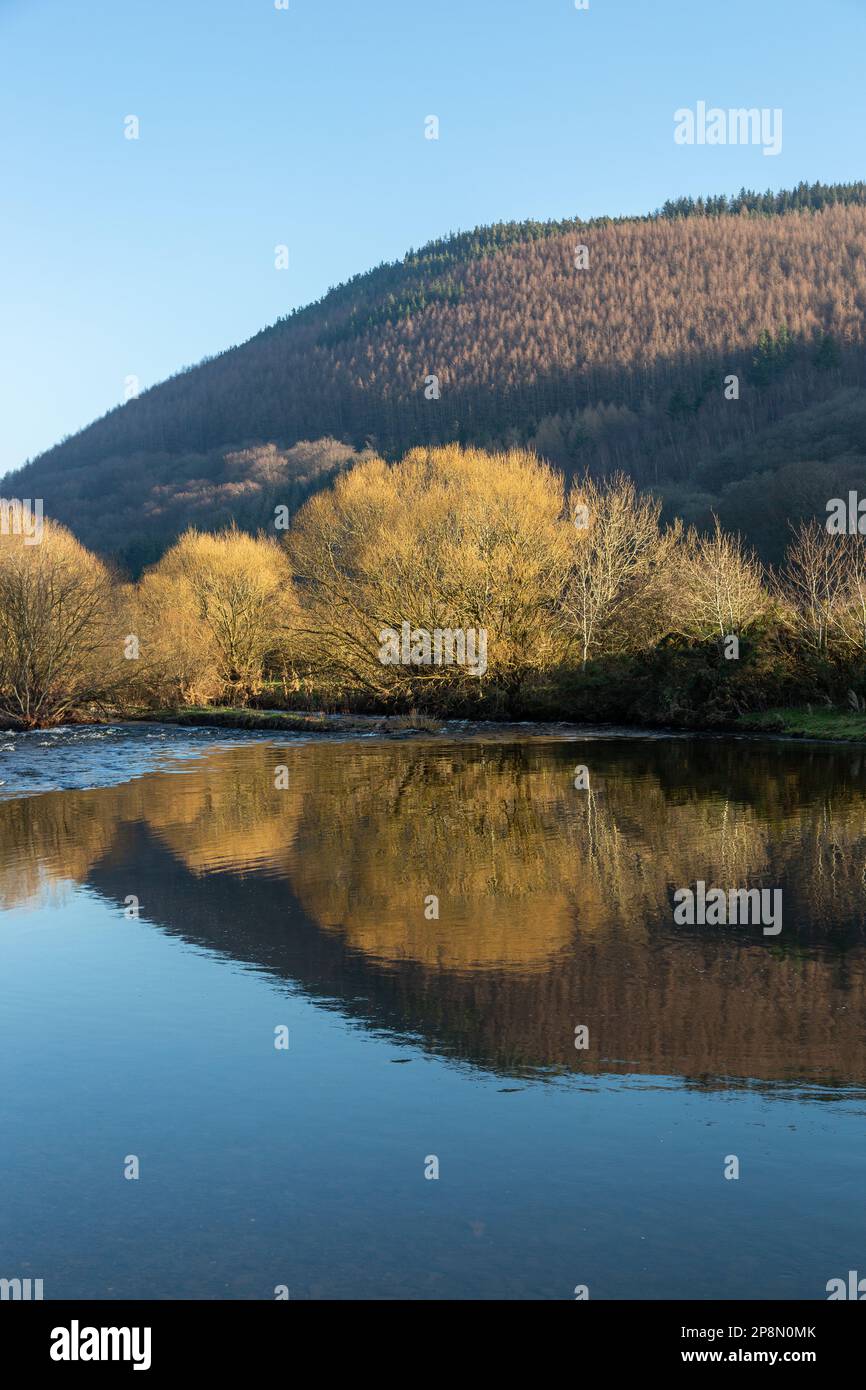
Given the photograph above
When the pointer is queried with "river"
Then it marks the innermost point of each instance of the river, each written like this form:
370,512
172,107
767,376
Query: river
357,1018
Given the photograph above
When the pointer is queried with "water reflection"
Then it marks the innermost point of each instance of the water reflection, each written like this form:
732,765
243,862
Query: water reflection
554,903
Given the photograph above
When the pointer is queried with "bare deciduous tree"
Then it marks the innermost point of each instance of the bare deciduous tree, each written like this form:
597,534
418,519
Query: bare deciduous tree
60,629
811,582
613,598
720,586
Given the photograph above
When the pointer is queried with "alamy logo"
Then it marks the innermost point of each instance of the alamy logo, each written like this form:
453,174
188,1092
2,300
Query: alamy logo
76,1343
855,1288
21,518
444,646
714,907
846,519
21,1289
737,126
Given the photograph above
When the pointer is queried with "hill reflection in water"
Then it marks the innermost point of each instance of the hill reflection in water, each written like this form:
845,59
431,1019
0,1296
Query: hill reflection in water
554,903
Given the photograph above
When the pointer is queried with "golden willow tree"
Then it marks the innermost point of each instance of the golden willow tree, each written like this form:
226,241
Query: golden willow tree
61,633
449,539
212,615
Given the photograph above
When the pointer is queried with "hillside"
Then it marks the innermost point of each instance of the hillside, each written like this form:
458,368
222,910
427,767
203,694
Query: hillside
617,365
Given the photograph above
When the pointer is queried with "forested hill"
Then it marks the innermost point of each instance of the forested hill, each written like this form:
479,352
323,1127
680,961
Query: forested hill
605,344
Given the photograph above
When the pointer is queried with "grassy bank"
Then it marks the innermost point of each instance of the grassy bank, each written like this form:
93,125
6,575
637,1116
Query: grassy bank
804,721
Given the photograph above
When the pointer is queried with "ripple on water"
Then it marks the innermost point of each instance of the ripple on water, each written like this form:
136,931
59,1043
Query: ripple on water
79,757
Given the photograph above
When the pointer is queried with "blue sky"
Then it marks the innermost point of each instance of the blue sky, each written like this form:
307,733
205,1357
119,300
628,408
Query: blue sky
305,127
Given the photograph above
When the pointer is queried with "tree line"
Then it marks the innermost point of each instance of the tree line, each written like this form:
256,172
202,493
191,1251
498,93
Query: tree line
590,604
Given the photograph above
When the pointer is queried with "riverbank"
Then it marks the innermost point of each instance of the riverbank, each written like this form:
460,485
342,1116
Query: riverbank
806,722
389,726
801,722
296,721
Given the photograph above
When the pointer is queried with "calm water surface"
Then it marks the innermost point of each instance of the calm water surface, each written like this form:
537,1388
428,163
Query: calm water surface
304,907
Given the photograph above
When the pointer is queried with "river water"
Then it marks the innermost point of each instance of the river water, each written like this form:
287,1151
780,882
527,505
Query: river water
429,926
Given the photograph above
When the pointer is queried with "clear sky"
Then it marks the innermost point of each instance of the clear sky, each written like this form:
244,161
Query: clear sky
305,127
